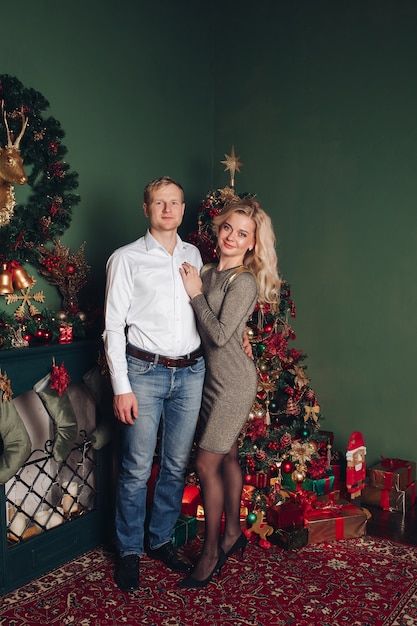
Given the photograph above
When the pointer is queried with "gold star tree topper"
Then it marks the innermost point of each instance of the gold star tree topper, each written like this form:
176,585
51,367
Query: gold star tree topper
232,164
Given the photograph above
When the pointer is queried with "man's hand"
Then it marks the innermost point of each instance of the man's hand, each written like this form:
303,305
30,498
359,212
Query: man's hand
125,407
246,346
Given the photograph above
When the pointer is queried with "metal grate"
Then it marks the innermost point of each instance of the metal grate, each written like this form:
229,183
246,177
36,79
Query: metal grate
45,494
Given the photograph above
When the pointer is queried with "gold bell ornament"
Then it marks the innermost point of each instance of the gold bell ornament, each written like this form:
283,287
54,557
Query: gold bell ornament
6,283
21,278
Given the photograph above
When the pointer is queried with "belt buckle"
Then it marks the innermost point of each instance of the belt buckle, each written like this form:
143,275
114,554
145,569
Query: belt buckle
173,363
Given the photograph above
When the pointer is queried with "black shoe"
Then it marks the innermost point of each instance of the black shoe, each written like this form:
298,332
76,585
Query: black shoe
127,572
193,583
168,555
240,544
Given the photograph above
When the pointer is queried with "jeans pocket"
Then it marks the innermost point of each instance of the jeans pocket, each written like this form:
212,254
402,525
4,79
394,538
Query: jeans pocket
137,366
199,367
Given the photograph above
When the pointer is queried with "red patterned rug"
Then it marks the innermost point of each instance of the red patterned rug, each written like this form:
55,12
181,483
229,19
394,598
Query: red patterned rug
357,582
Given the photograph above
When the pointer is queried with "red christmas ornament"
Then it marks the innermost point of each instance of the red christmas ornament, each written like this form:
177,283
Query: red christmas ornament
287,467
71,269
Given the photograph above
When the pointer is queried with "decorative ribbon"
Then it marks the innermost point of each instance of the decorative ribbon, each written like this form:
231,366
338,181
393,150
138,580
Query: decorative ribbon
311,412
12,267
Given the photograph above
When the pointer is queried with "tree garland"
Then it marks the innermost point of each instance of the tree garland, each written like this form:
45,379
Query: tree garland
47,212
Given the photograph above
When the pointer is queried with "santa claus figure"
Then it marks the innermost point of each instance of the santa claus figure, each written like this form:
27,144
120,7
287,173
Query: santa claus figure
356,466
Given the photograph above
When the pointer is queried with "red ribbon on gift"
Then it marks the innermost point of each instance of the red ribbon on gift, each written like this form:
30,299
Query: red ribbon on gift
316,515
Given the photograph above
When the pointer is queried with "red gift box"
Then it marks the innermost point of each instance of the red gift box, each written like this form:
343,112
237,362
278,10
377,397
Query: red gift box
394,474
334,521
247,493
260,480
286,515
191,498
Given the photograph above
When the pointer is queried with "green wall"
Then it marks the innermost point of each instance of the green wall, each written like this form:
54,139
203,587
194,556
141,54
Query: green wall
130,83
319,98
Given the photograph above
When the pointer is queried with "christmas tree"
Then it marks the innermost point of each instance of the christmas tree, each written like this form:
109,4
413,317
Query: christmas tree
282,451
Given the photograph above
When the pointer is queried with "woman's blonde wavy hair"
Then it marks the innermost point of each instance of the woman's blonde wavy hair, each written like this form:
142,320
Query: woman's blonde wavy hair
262,260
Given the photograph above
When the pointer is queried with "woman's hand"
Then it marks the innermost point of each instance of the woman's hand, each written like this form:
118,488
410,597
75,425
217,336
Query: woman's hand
191,279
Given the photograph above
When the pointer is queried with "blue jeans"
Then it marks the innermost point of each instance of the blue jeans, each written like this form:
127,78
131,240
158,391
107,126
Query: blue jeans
169,403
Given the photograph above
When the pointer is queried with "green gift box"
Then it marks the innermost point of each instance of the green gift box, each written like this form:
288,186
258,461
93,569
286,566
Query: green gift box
320,486
185,529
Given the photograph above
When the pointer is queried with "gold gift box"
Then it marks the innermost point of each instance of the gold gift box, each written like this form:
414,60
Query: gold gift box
341,520
394,474
389,500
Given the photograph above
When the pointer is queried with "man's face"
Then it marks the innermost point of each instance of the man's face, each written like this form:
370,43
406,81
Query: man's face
166,209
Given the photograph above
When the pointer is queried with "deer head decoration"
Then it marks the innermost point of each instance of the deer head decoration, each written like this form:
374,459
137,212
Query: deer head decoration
11,170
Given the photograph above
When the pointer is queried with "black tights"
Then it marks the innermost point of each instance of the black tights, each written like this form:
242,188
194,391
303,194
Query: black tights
221,487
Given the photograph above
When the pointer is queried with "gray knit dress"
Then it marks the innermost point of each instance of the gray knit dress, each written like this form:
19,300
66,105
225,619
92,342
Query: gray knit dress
230,387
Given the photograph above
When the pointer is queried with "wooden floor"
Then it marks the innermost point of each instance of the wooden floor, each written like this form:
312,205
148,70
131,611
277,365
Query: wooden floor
393,525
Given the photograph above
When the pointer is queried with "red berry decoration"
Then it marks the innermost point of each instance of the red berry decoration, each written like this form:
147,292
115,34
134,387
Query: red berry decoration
71,269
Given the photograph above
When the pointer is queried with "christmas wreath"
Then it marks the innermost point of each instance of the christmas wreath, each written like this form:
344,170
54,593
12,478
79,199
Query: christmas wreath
47,212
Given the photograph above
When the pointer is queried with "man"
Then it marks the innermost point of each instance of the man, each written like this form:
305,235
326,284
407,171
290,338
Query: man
157,378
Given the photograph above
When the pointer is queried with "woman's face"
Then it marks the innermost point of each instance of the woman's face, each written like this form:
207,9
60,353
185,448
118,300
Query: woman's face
236,236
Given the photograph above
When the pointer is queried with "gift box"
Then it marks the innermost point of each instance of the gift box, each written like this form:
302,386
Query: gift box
247,494
260,480
191,498
289,539
334,521
286,515
185,529
389,500
320,486
394,474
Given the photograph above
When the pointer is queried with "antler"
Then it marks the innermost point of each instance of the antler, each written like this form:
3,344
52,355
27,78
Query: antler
22,132
10,143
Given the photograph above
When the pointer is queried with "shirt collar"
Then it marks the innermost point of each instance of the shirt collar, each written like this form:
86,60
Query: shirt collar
152,244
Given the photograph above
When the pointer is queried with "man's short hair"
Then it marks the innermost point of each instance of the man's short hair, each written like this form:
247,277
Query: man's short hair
156,184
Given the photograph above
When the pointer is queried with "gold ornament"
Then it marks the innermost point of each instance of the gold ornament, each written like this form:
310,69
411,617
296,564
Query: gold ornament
227,194
298,476
21,278
61,316
26,298
11,170
6,284
82,316
5,387
311,412
302,452
301,380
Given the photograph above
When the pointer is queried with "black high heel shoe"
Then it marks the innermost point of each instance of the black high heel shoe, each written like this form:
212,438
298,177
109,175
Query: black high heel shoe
240,544
193,583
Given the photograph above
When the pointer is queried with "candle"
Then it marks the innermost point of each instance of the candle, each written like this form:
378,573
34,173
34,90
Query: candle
69,500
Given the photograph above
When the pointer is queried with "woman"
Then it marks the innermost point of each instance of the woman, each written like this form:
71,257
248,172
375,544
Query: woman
223,300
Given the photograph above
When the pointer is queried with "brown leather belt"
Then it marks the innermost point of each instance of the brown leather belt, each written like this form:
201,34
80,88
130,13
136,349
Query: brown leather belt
166,361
